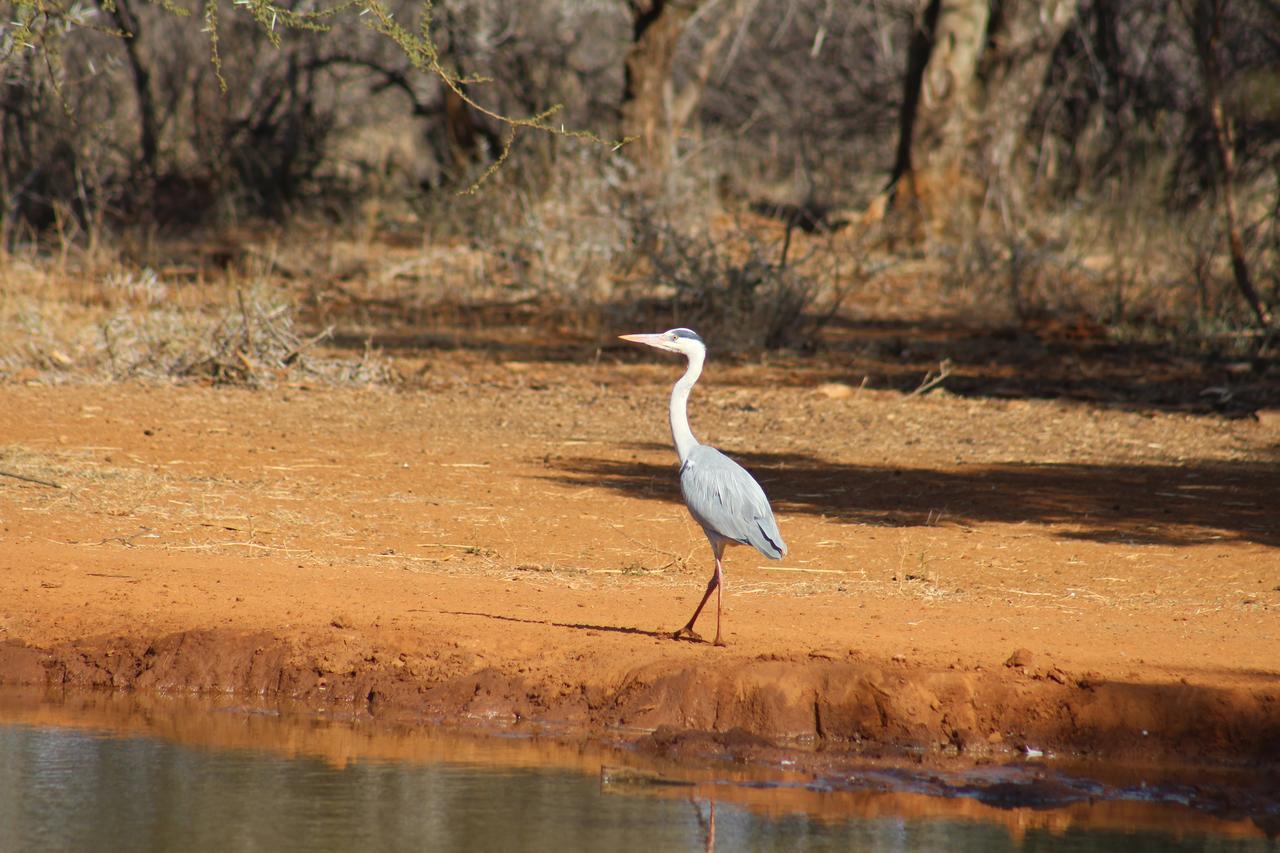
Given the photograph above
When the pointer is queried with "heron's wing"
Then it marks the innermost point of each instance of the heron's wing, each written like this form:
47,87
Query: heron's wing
727,501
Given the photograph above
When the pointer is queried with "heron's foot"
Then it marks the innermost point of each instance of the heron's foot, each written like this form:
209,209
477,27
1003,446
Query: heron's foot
719,642
687,633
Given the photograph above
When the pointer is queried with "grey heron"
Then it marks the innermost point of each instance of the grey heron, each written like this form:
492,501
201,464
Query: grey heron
721,496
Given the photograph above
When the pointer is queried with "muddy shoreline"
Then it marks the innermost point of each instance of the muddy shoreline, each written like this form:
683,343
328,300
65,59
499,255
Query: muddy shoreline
862,708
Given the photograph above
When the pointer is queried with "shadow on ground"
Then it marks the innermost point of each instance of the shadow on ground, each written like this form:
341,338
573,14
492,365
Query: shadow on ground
575,626
1045,360
1051,361
1140,504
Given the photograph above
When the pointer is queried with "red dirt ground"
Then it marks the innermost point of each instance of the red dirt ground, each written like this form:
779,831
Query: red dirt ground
506,543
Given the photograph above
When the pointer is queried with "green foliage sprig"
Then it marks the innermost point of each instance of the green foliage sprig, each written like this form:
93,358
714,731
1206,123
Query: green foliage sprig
37,26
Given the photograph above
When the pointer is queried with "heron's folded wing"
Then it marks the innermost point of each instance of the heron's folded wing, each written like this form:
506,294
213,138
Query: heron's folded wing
726,500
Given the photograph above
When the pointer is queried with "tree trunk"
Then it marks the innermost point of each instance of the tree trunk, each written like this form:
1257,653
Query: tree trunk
1206,25
149,125
690,95
974,72
467,141
647,99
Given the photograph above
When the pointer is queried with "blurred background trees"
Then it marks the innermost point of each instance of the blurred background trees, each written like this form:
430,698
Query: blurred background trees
975,71
1115,161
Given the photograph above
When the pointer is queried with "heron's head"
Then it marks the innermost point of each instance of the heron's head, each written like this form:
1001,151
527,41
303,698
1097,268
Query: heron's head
684,341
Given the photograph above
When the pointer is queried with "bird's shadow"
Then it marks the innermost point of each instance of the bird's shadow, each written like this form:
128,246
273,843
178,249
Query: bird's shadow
577,626
1173,503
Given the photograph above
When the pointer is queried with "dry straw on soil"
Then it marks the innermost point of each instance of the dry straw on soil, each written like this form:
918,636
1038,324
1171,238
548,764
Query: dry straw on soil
113,322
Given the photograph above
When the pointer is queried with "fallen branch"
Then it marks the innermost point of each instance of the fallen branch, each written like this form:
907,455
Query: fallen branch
930,381
298,349
27,479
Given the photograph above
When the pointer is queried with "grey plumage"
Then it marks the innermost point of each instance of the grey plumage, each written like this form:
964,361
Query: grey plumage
722,497
727,502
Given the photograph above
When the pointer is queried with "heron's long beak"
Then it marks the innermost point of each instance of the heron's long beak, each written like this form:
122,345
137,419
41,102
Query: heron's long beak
653,340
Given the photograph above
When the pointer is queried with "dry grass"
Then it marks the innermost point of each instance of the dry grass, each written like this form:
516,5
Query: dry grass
576,255
100,319
1127,266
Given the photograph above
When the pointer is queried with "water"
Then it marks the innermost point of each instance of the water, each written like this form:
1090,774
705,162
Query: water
337,786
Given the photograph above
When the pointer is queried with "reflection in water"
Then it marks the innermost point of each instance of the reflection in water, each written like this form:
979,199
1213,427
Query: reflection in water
707,824
64,789
70,789
76,788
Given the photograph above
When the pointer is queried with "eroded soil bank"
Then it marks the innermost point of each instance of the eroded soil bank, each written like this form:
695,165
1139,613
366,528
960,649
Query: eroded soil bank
875,708
1024,796
967,578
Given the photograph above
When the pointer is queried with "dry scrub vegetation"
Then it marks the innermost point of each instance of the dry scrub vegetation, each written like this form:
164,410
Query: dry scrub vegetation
156,226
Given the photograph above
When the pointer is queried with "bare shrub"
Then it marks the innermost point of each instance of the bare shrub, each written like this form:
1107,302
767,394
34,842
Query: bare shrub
801,105
1124,265
253,341
137,128
119,113
55,153
743,285
559,234
1008,278
1155,117
117,324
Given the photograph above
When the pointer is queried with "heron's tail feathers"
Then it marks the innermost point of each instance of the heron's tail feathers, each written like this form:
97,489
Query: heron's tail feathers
768,540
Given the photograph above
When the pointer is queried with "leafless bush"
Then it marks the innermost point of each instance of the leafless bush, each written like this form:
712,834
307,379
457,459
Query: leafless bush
1009,278
538,54
748,287
1126,86
802,104
558,233
53,151
141,128
1156,117
137,129
1125,263
133,328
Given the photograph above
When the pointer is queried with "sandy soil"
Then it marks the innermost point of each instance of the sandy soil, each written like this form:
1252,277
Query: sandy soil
505,543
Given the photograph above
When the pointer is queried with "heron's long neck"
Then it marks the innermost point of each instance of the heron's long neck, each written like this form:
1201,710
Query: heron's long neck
680,432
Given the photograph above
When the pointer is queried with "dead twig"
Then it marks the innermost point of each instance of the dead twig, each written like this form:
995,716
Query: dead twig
298,349
247,331
930,381
27,479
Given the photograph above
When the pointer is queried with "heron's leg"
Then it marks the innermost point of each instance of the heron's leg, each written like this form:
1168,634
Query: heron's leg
687,630
719,595
717,549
